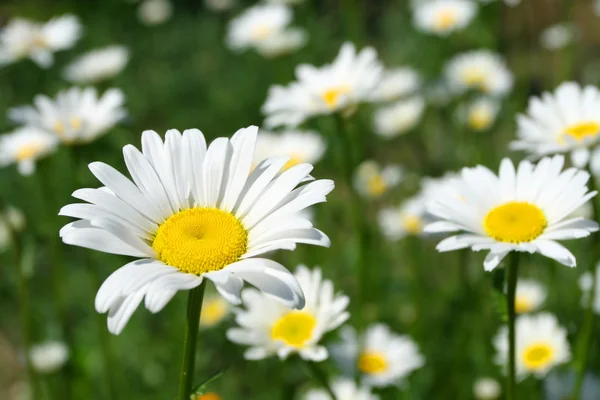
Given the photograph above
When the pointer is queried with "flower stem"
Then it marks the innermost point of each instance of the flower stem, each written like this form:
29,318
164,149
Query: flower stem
194,308
320,376
511,281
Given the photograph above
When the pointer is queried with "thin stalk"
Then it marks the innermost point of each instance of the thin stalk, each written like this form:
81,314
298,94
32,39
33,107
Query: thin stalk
511,281
320,376
194,308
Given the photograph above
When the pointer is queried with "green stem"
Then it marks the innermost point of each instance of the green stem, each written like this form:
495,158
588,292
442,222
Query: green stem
320,376
511,281
194,308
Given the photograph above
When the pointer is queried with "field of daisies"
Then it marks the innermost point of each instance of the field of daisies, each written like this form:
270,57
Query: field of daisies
299,199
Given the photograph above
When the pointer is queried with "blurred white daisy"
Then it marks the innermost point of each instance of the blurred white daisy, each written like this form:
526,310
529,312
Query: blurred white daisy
220,5
541,344
406,219
75,116
289,2
348,81
523,210
565,121
300,146
271,328
382,357
442,17
586,282
486,389
48,357
5,235
265,27
22,38
372,180
214,310
344,389
191,213
24,147
154,12
481,113
97,65
399,117
529,296
396,83
557,36
481,70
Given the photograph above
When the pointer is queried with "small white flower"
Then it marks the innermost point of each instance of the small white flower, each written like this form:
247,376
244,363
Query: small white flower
529,296
396,83
214,310
24,147
300,146
558,36
344,389
541,344
76,116
48,357
285,42
481,113
481,70
22,38
348,81
270,328
406,219
15,218
154,12
372,180
399,117
563,121
220,5
97,65
486,389
523,210
442,17
585,284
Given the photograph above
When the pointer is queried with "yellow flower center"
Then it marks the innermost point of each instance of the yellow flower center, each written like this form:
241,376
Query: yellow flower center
515,222
372,363
475,77
582,130
294,160
376,185
294,328
213,311
523,304
261,32
208,396
199,240
537,355
28,151
480,119
445,19
412,224
332,96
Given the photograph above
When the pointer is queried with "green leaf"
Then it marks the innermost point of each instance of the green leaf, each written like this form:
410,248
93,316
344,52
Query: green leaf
201,388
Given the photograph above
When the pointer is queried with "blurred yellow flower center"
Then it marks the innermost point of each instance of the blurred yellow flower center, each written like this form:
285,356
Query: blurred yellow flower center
39,41
332,96
294,328
523,304
537,355
480,119
262,32
372,363
208,396
213,311
583,130
515,222
376,185
28,151
294,160
200,240
445,19
412,224
475,78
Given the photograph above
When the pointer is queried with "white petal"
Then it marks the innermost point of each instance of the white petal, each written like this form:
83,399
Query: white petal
556,251
493,259
243,143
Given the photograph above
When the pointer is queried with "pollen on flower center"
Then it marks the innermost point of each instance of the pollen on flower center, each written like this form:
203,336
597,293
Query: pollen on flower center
28,151
213,311
583,130
475,78
412,224
515,222
261,32
376,185
294,328
372,363
294,160
480,119
537,355
199,240
445,19
523,304
332,96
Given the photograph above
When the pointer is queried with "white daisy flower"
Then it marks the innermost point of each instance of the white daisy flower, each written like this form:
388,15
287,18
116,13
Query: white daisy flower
348,81
586,282
396,83
15,217
558,36
481,113
214,310
97,65
442,17
521,210
382,357
486,389
398,118
285,42
480,70
48,357
154,12
406,219
344,389
75,116
193,213
541,344
22,38
24,147
300,146
271,328
530,295
372,180
564,121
